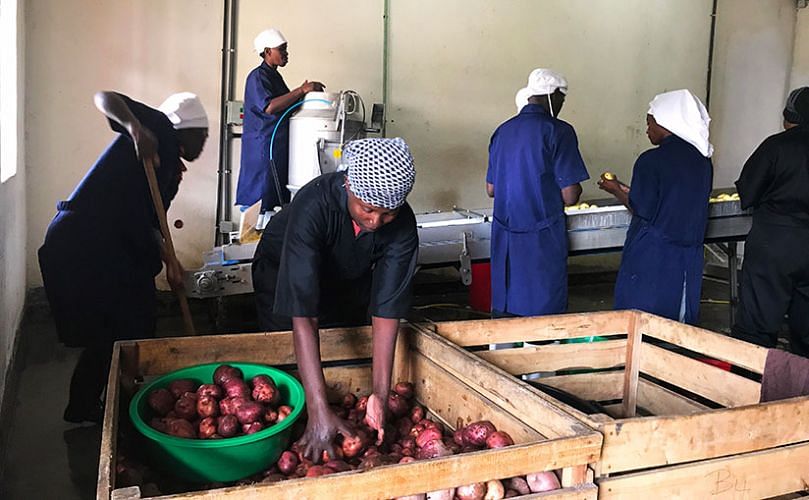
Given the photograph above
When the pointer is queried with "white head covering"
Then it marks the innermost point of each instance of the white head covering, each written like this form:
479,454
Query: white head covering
541,81
185,110
380,171
682,113
271,38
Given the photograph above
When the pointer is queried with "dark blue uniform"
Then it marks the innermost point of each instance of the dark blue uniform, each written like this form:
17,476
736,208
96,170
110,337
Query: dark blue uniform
532,157
255,179
663,255
102,252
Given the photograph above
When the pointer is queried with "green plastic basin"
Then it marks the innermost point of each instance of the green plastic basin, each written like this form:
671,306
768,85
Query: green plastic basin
231,459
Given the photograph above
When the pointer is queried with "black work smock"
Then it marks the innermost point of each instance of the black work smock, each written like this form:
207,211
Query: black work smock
102,249
309,263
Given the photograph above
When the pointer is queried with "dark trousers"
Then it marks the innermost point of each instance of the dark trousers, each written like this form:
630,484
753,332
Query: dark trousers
774,283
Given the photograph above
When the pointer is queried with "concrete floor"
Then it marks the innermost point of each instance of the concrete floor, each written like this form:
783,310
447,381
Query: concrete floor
48,458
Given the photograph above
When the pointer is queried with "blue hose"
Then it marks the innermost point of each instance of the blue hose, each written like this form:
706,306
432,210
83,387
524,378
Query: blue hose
278,123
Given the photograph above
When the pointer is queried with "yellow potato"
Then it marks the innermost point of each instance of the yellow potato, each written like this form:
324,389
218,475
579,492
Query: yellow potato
609,176
584,206
723,197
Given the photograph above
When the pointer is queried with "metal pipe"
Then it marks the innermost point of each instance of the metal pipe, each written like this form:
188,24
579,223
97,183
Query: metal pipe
227,91
385,36
711,44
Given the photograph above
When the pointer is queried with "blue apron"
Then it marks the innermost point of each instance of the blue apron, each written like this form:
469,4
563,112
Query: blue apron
532,157
661,265
256,182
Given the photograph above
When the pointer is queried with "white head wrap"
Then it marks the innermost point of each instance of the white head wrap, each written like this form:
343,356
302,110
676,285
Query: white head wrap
541,81
380,171
271,38
185,110
682,113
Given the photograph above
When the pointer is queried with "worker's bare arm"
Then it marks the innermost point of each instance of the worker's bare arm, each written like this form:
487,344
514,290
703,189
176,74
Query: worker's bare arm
490,189
114,107
282,102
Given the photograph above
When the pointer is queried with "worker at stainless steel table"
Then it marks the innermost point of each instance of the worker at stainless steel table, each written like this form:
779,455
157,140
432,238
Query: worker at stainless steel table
661,265
345,247
103,248
535,169
266,98
775,271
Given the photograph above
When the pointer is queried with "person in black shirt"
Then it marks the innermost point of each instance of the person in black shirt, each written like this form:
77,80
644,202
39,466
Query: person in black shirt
775,271
347,245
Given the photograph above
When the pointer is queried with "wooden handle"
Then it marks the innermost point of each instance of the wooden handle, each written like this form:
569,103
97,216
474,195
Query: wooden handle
164,229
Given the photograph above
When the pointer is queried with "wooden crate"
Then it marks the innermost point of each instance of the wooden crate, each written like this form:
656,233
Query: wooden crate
704,432
431,362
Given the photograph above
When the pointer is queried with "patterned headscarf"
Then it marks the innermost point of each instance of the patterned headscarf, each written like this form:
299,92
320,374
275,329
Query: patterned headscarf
380,171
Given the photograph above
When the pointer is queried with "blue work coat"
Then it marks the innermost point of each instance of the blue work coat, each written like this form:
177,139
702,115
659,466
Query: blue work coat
661,265
102,249
255,179
532,157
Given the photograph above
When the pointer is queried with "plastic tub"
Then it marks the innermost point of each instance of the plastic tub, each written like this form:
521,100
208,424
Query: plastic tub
231,459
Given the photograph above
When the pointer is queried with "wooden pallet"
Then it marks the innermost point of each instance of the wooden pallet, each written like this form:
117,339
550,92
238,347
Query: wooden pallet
704,433
428,360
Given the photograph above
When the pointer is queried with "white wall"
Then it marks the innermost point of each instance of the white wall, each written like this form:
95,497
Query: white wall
12,224
752,62
800,60
147,49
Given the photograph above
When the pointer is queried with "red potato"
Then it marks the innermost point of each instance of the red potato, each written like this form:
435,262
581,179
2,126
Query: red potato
416,429
407,460
319,470
416,414
181,386
404,389
408,442
403,426
452,445
338,465
397,405
469,448
433,449
212,390
431,424
273,478
287,462
252,427
441,494
207,427
427,435
511,494
161,401
236,388
499,439
186,408
457,436
376,461
476,433
474,491
353,446
301,469
223,373
362,404
159,424
283,412
181,428
420,496
270,416
494,490
326,456
250,412
372,451
207,406
356,416
230,406
349,401
517,484
265,390
542,481
227,426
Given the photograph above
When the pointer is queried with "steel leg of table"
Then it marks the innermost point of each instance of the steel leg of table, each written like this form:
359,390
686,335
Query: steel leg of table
733,277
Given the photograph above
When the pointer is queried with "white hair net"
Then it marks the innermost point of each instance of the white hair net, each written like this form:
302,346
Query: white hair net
185,110
683,114
541,81
271,38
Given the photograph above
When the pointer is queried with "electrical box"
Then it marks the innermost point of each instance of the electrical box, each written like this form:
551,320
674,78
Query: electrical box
234,112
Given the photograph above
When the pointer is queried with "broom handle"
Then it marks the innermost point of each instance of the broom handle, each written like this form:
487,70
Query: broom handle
164,228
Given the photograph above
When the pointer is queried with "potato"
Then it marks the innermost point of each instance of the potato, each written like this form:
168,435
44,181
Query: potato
420,496
408,442
223,373
441,494
476,433
212,390
362,403
499,439
159,424
252,427
328,457
511,494
349,401
236,388
517,484
407,460
207,427
230,406
287,462
207,406
353,446
265,391
404,389
542,481
457,436
181,386
283,412
397,405
181,428
270,416
186,408
273,478
356,416
376,461
433,449
427,435
416,414
474,491
494,490
227,426
250,412
161,401
319,470
338,465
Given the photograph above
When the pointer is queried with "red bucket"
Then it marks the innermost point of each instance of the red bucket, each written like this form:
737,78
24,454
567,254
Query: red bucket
480,291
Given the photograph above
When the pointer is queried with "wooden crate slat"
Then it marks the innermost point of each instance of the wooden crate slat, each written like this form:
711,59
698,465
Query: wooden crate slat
554,357
751,475
567,326
722,347
632,369
597,386
663,402
700,378
500,387
107,457
638,443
